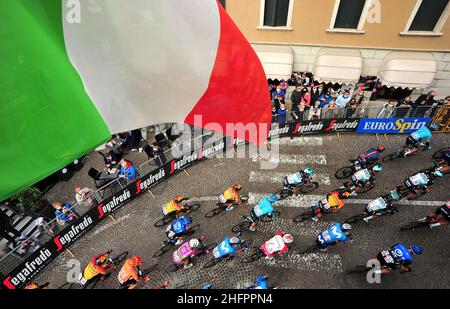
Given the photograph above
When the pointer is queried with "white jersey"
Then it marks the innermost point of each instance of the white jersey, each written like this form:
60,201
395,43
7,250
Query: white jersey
274,244
376,205
362,175
295,179
420,179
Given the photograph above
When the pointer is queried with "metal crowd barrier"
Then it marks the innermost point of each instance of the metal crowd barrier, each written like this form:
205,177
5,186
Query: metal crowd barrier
442,119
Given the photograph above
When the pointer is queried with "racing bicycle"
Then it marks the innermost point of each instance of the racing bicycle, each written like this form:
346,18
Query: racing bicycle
243,245
288,190
222,206
187,208
424,222
166,245
247,222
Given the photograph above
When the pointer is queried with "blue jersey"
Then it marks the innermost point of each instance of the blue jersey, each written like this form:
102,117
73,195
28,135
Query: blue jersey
332,235
179,226
263,208
401,255
225,248
262,285
422,133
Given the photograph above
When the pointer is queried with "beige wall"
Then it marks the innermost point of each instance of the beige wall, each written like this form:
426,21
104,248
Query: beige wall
311,18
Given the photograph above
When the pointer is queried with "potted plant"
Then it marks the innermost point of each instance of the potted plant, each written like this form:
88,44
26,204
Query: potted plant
31,201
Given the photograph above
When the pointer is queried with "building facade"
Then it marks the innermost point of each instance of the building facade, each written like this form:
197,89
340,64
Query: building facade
405,43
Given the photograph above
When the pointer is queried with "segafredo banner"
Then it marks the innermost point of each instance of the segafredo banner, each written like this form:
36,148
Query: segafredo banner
391,125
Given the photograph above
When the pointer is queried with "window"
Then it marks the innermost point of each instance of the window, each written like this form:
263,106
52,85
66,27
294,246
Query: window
276,14
223,3
428,17
349,16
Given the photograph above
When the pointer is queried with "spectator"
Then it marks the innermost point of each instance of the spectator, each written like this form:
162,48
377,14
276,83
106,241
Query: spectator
276,104
331,110
64,212
305,97
403,107
316,92
442,120
423,103
284,85
350,108
111,160
343,99
387,110
134,140
83,196
296,96
282,114
127,171
6,228
158,153
325,99
315,112
298,112
279,93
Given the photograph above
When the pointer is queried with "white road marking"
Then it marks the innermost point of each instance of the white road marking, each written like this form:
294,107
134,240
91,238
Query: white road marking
276,177
318,262
292,159
301,141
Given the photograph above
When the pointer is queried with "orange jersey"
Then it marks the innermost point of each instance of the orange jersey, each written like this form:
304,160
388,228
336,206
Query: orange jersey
231,194
128,272
93,270
334,200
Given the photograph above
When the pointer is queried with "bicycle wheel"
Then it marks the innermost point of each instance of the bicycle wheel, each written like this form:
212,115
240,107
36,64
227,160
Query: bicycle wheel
365,189
193,229
309,187
354,219
284,194
253,257
162,250
192,207
243,226
275,214
214,212
391,156
303,217
413,225
211,263
344,172
120,258
164,221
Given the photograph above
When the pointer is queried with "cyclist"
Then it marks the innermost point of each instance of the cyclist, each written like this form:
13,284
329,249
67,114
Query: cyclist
364,178
298,179
264,208
421,181
228,247
183,256
445,160
100,265
442,213
130,275
418,138
398,256
261,284
381,205
336,233
35,286
179,228
277,245
231,196
333,202
175,205
370,157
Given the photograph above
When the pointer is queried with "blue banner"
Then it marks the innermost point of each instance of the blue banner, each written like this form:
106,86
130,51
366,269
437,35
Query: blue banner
391,125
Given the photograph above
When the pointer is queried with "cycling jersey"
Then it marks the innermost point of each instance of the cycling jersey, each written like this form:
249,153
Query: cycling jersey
377,205
418,180
32,286
275,245
295,179
172,207
396,255
263,208
232,195
332,201
370,156
92,269
332,235
444,210
361,176
223,249
421,134
262,284
128,272
179,226
183,253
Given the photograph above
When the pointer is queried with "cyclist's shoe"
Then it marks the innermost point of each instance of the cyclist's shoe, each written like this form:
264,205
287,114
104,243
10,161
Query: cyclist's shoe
269,258
315,219
366,219
434,225
178,242
323,249
229,208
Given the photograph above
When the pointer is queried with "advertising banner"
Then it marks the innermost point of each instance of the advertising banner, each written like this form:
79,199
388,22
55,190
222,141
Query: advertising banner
391,125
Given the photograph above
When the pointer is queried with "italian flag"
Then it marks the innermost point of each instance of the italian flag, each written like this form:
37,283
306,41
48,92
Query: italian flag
73,72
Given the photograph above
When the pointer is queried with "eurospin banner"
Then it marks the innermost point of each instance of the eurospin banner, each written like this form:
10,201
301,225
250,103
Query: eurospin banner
391,125
38,260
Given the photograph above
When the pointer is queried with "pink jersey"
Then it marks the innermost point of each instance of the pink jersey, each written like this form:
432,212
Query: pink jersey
183,253
274,245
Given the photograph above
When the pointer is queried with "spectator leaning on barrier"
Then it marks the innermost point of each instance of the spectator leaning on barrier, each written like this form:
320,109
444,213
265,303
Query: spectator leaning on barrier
443,119
403,107
83,196
423,103
387,110
350,108
343,99
127,171
315,112
325,99
64,212
331,110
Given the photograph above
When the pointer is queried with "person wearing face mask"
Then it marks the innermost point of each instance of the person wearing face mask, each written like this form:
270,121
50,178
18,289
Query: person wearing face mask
343,99
282,114
305,97
279,93
325,99
388,109
316,92
315,112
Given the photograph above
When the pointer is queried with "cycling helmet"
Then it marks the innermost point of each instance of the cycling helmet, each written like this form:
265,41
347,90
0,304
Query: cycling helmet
377,168
101,260
394,195
194,243
344,195
177,199
188,220
234,240
288,238
438,173
416,249
135,261
308,171
272,198
434,127
381,148
237,187
346,227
